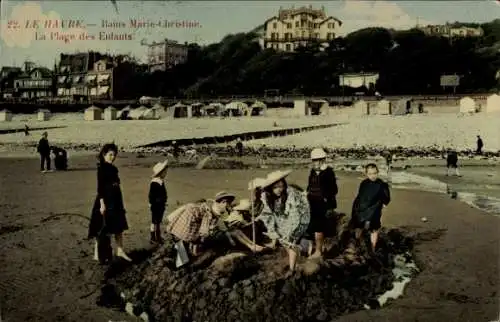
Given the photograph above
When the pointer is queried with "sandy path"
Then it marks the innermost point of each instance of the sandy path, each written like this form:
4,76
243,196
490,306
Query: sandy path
47,265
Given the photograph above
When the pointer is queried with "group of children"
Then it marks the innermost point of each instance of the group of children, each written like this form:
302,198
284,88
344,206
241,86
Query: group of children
251,220
278,214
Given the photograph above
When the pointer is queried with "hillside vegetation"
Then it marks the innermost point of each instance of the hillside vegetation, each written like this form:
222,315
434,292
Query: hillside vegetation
409,62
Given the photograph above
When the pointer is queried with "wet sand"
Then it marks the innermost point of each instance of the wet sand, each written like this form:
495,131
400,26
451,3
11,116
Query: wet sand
47,263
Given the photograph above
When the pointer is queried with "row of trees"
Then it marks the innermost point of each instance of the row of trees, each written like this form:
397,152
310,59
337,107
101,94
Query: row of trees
408,62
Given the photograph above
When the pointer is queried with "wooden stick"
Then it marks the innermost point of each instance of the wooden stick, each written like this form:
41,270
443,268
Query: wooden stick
252,196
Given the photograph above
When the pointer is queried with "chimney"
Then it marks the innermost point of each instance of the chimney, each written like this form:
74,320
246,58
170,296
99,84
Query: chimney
28,66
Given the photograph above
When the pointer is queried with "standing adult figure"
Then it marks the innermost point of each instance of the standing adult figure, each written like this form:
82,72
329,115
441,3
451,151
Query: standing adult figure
108,212
43,149
321,193
285,214
239,148
480,145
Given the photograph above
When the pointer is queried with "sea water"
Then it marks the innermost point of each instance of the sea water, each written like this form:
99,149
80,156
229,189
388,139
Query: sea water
479,187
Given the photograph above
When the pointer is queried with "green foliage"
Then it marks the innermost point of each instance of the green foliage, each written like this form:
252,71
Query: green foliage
408,62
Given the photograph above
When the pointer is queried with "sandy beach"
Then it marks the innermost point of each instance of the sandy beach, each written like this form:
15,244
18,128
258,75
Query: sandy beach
419,131
48,267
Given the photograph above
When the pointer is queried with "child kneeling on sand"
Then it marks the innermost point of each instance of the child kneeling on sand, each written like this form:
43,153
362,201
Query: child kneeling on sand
372,196
157,200
200,225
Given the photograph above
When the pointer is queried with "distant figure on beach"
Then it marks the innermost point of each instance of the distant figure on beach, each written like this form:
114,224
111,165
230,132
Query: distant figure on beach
239,148
108,213
286,214
26,130
452,162
387,155
60,158
480,145
176,149
420,108
157,197
321,193
43,149
373,195
262,154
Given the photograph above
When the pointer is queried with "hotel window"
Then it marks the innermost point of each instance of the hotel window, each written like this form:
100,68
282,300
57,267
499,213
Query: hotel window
316,35
289,25
330,25
303,34
288,47
275,25
297,24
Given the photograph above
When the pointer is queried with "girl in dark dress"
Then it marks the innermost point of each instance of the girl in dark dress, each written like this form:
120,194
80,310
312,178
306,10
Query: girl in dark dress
372,196
108,204
321,193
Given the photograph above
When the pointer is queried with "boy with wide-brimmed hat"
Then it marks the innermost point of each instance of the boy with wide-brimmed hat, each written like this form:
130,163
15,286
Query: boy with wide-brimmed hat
157,200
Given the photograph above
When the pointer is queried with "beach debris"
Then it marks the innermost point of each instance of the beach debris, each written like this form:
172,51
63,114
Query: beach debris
424,219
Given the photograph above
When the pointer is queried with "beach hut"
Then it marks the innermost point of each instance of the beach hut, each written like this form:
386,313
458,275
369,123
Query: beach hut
362,107
137,113
300,108
467,105
123,114
159,110
318,107
235,108
92,113
197,109
145,100
159,107
256,109
493,103
214,109
110,113
383,108
150,114
180,110
43,115
5,116
401,107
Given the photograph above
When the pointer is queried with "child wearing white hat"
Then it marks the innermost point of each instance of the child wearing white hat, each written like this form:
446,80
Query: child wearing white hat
321,193
157,200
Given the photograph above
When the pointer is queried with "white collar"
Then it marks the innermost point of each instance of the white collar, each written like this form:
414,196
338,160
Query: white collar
322,168
158,180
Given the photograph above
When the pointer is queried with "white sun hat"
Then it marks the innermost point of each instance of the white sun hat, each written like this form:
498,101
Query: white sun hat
317,154
255,183
244,205
274,177
159,167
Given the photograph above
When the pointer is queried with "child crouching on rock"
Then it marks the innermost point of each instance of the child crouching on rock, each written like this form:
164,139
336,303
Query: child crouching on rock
200,225
372,196
240,226
286,214
157,200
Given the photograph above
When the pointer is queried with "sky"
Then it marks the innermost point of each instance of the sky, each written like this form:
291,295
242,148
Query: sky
204,22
